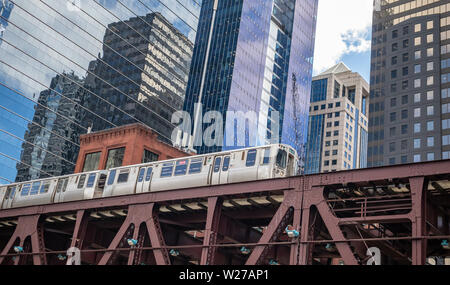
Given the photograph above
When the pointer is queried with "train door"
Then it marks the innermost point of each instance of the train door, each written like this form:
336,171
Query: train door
220,170
144,180
61,188
9,197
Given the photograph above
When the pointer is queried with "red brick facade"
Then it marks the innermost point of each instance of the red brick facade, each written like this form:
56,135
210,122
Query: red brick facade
135,138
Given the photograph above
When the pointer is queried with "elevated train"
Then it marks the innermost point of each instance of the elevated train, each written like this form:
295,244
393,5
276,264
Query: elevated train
257,163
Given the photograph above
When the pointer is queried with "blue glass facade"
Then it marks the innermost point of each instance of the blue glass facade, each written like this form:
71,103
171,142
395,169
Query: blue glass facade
260,60
314,145
319,90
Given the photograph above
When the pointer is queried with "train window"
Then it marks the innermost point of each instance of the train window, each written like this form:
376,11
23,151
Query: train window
13,191
59,185
251,158
112,176
123,176
149,174
281,158
66,181
167,170
91,180
7,193
25,189
266,159
35,188
196,166
226,163
181,168
81,181
141,175
44,188
217,163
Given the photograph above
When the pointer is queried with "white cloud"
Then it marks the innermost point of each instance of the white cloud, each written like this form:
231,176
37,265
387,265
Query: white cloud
343,27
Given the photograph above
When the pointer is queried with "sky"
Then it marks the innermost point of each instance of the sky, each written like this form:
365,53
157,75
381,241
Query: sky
344,34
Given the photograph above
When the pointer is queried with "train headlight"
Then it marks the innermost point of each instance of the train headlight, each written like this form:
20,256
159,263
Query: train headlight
174,252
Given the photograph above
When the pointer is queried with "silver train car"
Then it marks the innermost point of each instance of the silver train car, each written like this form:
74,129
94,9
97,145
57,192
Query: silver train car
250,164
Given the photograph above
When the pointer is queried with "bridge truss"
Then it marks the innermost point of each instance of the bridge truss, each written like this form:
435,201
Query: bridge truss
335,218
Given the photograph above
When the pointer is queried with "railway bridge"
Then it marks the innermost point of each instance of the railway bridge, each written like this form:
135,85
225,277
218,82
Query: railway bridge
388,215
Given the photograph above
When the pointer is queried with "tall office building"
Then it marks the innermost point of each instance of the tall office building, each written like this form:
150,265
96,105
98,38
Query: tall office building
253,56
338,121
410,81
6,7
144,71
48,149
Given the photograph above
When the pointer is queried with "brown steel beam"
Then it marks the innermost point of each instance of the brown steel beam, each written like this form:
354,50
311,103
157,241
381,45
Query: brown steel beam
418,219
211,231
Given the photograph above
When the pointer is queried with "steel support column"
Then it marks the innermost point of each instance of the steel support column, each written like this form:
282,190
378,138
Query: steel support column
276,227
28,226
418,220
211,231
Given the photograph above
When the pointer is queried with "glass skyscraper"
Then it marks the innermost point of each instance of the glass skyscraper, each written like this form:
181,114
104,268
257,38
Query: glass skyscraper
258,58
410,70
129,60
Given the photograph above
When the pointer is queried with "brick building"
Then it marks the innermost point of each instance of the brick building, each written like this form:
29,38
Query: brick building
126,145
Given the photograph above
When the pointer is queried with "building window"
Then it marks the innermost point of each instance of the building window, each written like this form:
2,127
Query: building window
405,43
404,159
394,74
405,71
394,60
430,66
405,57
115,158
417,54
446,140
417,158
405,99
429,25
417,128
430,156
430,110
417,68
446,124
430,52
392,161
417,143
91,161
446,155
404,129
417,41
394,46
417,113
430,95
417,98
430,141
404,144
393,116
417,28
430,38
430,126
417,83
392,147
430,80
394,34
404,114
445,108
149,156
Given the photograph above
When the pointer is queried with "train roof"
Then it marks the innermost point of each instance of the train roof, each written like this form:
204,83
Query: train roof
202,155
52,178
